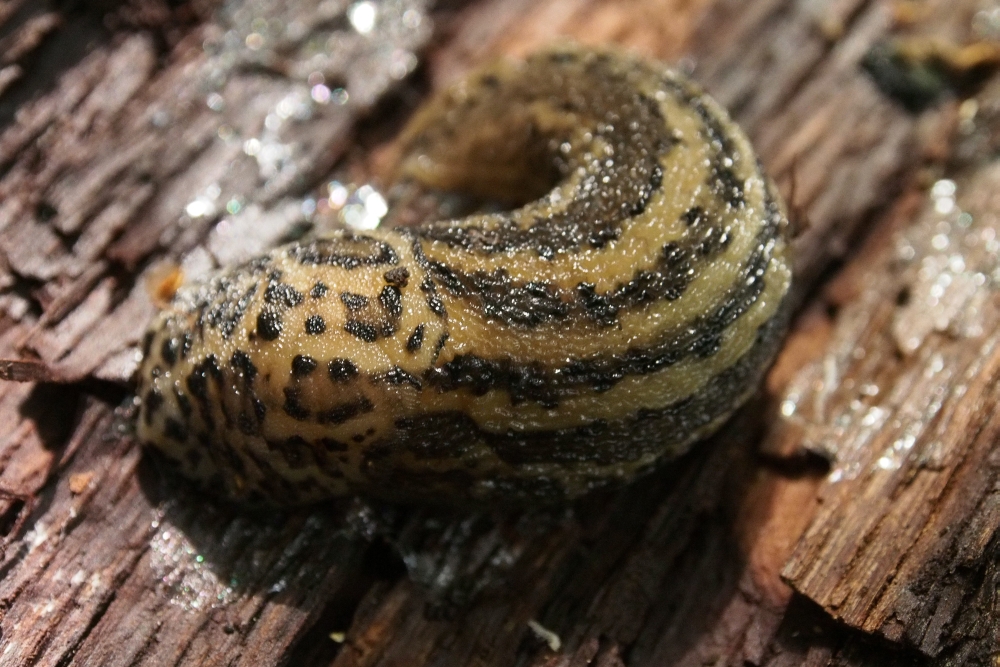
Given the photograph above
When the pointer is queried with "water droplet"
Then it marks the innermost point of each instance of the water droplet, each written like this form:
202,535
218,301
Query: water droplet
254,41
362,16
251,147
320,94
215,102
943,188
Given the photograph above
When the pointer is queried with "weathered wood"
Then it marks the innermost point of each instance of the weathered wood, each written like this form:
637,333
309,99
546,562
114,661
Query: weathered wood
97,176
127,160
906,397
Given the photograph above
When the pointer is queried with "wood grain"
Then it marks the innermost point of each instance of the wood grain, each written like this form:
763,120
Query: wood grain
751,551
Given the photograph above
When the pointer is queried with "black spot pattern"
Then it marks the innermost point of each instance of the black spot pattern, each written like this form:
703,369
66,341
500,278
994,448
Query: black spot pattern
243,364
293,404
342,370
283,295
391,299
319,290
398,276
315,325
361,330
353,302
269,324
151,402
222,314
169,350
416,339
303,365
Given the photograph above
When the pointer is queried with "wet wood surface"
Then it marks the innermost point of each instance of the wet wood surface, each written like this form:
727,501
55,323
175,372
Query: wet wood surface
847,516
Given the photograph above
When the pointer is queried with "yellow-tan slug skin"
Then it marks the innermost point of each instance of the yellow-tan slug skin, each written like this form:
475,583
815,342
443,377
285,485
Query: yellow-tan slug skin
529,355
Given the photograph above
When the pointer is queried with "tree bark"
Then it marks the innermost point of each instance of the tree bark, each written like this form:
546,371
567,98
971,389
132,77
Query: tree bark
848,516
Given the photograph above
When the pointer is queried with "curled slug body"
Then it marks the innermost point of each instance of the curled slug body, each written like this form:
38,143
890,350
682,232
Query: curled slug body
527,355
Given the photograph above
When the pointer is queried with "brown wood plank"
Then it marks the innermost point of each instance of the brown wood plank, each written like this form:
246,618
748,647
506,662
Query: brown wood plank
126,158
904,537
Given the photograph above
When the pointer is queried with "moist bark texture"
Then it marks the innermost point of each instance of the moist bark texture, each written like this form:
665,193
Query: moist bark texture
848,516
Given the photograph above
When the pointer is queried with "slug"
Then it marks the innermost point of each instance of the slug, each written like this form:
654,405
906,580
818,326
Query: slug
528,355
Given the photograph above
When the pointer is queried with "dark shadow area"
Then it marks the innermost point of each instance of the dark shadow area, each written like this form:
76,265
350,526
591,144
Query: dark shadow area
14,514
430,540
381,566
801,463
663,545
919,78
54,409
657,556
808,630
660,557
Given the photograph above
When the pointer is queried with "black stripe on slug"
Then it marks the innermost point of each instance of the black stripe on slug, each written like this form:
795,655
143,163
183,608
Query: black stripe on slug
436,306
331,445
259,409
722,178
147,344
615,187
197,386
247,425
500,299
654,184
151,403
271,481
168,351
427,286
175,429
183,402
187,340
600,442
349,251
391,299
243,364
442,339
673,273
295,451
397,376
547,385
345,412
